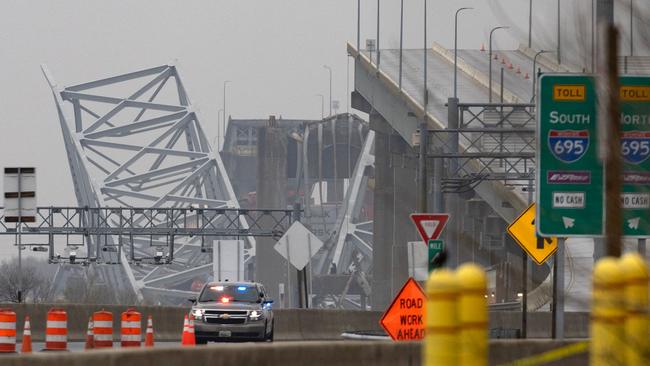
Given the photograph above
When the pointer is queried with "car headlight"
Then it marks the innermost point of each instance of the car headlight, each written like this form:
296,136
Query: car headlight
197,313
256,315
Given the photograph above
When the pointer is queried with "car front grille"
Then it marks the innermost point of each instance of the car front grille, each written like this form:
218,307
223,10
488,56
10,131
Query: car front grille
229,312
215,320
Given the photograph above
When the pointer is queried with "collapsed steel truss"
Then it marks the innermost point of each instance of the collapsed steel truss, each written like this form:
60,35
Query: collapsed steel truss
104,124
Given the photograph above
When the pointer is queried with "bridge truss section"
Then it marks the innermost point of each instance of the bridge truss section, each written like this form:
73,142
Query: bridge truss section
134,140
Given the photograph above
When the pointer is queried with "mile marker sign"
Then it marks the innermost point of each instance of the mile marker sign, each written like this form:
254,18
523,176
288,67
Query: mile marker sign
403,320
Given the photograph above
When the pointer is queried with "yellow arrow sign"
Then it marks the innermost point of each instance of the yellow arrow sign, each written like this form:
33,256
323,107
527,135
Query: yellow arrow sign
522,229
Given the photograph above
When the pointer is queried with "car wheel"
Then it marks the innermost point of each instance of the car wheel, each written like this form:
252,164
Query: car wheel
200,340
269,337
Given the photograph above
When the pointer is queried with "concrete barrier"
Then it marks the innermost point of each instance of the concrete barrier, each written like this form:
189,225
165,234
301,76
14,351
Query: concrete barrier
576,324
316,353
290,324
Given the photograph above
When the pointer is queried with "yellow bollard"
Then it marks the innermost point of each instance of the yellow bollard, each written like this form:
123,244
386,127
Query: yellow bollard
472,315
441,334
637,323
607,314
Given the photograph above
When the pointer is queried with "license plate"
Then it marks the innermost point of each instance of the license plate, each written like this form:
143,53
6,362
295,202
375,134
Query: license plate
225,333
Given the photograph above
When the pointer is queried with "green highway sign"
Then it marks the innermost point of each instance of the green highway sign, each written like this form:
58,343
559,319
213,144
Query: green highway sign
570,176
635,149
435,246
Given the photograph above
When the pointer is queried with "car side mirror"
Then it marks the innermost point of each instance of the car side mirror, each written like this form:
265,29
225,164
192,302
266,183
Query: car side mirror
192,299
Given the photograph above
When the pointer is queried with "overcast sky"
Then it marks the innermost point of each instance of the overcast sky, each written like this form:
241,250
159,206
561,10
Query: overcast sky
272,50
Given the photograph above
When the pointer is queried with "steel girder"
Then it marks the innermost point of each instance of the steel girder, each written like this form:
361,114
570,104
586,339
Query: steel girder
134,140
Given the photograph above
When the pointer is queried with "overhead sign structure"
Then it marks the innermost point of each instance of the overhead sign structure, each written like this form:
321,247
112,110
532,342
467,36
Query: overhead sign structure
298,245
20,195
570,175
430,225
403,320
522,230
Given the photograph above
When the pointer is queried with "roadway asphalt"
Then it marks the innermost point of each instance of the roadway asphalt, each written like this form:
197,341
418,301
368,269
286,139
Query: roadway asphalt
79,346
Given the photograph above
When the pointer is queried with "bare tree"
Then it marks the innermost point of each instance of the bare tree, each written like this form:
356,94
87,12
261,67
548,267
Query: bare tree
36,286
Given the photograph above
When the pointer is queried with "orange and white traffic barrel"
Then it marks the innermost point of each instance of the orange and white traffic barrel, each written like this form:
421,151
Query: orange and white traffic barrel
131,328
103,329
56,330
7,331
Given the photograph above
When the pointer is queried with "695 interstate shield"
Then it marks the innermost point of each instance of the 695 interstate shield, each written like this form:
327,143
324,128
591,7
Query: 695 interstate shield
568,145
635,146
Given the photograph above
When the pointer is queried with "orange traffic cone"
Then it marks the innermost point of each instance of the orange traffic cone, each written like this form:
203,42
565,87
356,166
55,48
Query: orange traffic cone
518,70
190,331
185,339
148,339
526,76
510,66
90,336
26,346
503,61
482,47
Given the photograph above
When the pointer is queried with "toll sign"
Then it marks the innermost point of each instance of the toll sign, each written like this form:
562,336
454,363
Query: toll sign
404,318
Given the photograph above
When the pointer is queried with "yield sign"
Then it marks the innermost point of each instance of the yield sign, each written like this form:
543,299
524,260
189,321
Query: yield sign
522,229
430,225
403,320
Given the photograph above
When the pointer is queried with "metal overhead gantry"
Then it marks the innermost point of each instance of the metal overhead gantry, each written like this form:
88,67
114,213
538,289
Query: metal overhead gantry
134,140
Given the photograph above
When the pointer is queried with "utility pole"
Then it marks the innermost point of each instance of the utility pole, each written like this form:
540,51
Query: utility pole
609,119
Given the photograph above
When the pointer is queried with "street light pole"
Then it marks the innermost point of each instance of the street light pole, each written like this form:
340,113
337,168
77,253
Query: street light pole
559,38
378,53
401,40
631,27
455,52
490,62
530,24
322,103
422,168
359,26
224,108
330,71
219,128
534,74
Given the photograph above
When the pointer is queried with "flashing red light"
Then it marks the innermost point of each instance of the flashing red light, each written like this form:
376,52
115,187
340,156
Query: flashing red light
225,300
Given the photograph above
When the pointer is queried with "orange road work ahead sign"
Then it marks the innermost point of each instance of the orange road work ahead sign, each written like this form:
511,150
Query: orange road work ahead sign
404,319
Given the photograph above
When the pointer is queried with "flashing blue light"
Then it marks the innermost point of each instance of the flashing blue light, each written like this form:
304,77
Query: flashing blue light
241,288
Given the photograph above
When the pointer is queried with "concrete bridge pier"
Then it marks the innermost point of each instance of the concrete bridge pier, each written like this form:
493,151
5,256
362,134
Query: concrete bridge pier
395,198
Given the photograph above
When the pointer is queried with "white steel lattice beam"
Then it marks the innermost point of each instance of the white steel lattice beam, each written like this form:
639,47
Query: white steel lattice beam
136,140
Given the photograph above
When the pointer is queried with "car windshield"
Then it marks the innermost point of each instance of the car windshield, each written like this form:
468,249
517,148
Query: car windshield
229,293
